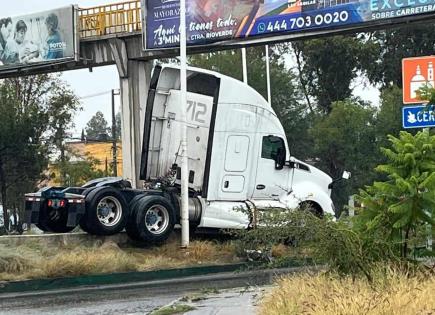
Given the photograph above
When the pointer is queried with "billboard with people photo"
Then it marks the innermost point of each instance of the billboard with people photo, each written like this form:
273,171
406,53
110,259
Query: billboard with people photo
38,38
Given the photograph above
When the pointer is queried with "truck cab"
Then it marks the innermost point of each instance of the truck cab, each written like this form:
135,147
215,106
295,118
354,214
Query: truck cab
237,148
238,156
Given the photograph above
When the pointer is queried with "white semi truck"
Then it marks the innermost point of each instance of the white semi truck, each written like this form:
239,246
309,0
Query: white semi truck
239,158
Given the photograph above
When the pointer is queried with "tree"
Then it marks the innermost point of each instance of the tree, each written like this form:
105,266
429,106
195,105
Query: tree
77,169
327,66
395,44
34,113
389,117
97,126
345,140
405,201
118,121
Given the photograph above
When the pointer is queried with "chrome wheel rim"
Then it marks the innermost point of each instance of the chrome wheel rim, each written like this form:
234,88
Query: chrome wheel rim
109,211
157,219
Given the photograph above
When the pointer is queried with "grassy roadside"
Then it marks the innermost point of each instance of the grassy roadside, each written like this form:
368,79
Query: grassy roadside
35,261
393,294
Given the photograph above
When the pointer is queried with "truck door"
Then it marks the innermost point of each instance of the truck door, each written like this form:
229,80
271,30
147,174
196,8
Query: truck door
236,162
270,183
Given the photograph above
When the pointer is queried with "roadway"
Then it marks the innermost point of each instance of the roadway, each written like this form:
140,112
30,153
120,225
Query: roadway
138,301
123,301
207,294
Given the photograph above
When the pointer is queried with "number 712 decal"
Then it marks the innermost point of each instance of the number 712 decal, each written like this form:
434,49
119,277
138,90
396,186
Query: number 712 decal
197,110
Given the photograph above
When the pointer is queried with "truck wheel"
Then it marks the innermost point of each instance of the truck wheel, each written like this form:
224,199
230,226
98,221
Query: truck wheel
131,227
54,221
155,219
106,212
312,207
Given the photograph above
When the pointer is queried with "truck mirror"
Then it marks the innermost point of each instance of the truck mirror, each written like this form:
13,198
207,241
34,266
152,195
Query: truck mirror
280,159
346,175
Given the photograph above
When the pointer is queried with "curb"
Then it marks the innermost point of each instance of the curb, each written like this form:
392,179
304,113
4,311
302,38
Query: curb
217,281
113,279
160,279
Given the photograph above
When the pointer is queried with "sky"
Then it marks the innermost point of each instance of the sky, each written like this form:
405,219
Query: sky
104,79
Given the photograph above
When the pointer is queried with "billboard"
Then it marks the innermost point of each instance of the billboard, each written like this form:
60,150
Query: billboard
40,38
211,21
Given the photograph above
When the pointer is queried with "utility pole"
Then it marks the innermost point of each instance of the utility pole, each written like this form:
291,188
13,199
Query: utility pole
244,66
183,118
114,135
269,93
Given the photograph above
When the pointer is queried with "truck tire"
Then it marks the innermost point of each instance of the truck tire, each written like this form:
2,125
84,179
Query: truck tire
84,226
312,207
54,221
155,219
83,219
106,212
130,227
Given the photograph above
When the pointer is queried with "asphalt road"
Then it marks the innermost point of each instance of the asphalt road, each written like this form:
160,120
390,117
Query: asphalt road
137,301
143,297
122,301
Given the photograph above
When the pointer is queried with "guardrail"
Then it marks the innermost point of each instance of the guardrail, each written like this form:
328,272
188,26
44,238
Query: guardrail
123,17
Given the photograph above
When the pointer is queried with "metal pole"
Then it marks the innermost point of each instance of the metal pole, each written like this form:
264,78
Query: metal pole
114,136
351,209
245,66
351,206
429,232
269,93
185,160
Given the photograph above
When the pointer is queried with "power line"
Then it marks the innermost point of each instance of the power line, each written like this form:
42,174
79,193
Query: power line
95,95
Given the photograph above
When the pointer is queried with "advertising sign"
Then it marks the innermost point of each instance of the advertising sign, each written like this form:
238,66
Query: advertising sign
420,116
38,38
417,73
210,21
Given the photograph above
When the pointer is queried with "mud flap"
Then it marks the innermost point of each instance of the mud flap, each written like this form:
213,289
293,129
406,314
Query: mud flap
75,213
32,212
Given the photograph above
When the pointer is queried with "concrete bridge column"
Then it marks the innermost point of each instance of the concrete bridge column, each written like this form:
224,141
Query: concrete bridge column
135,77
134,93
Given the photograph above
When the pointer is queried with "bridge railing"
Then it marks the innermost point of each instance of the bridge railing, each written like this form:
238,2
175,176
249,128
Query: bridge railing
124,17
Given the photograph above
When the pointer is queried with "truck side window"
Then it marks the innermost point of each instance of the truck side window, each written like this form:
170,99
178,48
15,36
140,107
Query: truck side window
271,147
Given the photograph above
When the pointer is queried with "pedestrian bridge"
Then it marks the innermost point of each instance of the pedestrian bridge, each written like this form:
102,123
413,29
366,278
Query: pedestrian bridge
108,34
109,20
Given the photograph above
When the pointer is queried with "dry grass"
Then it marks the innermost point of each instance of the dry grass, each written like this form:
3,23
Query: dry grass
32,261
279,251
394,294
